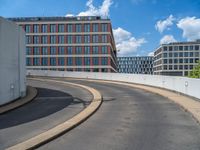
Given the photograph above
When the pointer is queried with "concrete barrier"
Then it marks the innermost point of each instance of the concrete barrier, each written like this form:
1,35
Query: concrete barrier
183,85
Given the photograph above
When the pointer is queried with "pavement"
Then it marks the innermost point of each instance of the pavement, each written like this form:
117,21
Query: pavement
53,105
131,119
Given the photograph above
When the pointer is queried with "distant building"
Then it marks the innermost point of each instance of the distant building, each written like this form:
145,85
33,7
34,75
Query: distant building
136,65
12,62
69,43
176,59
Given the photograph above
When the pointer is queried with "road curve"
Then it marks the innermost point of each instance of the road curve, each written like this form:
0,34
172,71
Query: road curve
54,104
131,119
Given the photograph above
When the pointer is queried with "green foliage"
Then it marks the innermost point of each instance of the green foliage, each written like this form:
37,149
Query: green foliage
195,73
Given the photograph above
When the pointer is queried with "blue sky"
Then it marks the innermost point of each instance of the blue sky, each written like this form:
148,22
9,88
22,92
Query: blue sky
139,25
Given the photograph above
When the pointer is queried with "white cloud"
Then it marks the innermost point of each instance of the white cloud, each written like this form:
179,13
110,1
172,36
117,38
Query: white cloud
151,54
167,39
102,10
69,15
162,25
190,27
125,42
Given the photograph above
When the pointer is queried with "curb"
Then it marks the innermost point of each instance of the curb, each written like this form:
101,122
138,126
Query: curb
187,103
65,126
31,94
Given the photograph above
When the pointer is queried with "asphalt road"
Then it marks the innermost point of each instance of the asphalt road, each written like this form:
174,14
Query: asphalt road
131,119
53,105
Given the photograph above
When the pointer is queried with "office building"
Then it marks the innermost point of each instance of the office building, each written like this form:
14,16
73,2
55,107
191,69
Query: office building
69,43
12,62
136,65
176,59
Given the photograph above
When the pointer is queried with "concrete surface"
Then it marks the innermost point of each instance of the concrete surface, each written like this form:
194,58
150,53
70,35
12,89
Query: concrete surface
51,133
12,61
131,119
51,107
182,85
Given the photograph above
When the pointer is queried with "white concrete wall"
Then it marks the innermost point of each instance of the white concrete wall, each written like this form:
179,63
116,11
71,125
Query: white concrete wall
12,61
187,86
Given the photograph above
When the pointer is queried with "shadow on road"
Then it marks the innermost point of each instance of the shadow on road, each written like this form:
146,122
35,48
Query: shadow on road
46,103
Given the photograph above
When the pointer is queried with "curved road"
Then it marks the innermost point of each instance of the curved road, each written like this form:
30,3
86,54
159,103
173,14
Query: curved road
131,119
53,105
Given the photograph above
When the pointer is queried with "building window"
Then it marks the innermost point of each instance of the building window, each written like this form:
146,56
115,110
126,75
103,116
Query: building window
86,39
28,51
53,39
196,47
104,27
186,54
36,61
86,27
191,54
61,39
52,50
180,54
95,27
104,39
36,39
44,61
44,28
36,51
61,28
185,48
78,50
44,51
165,48
69,39
95,38
78,61
170,48
170,54
104,50
176,48
28,61
95,50
165,61
180,48
87,61
28,39
164,55
69,61
53,61
52,28
86,50
61,50
78,27
69,50
175,54
78,38
35,28
104,61
44,39
69,28
27,28
191,47
61,61
175,61
95,61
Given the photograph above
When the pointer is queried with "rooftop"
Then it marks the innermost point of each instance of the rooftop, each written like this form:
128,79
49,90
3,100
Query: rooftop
73,18
182,43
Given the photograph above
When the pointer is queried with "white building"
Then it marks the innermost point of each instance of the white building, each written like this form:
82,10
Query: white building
176,59
12,61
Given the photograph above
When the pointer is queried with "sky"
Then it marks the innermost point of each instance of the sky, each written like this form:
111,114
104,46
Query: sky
139,26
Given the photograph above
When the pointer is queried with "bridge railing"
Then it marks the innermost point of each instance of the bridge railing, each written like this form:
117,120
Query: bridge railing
184,85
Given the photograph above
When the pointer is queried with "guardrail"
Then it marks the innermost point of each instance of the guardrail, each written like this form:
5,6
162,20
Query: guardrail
184,85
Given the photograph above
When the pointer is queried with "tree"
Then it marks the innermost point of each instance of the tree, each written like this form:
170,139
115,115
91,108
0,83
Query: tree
195,73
